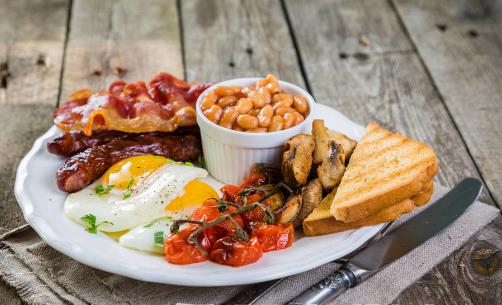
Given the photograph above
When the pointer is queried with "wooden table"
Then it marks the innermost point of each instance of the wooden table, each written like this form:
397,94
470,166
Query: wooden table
431,69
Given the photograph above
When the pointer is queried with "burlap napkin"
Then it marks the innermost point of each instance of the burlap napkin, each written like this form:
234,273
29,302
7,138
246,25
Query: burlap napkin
42,275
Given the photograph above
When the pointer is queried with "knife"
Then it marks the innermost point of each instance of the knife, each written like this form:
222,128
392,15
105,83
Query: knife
396,244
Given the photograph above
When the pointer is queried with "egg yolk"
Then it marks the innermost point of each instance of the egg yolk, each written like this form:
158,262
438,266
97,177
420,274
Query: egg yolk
128,172
116,235
194,194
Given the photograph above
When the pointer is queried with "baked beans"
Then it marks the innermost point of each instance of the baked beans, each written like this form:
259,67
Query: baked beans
262,107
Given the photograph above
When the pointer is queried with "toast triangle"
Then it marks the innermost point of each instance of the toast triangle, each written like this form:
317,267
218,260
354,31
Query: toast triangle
320,221
385,168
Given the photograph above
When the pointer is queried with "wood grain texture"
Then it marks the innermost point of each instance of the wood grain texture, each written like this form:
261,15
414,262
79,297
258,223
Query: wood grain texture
383,81
8,295
458,280
32,37
31,48
123,39
461,44
229,39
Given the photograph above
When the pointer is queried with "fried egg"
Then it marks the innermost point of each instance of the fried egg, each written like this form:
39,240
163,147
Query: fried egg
144,238
136,191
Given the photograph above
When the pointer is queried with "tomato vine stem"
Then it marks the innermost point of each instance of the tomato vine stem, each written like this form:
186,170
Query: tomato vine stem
267,190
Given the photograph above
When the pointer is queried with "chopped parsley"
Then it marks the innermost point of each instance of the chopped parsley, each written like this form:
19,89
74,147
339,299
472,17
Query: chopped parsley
127,193
103,189
158,239
130,183
168,218
180,162
90,220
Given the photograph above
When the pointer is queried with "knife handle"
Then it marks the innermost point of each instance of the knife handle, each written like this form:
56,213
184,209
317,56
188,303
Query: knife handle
328,288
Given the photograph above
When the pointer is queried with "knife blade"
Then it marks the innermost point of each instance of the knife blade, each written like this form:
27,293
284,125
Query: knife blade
396,244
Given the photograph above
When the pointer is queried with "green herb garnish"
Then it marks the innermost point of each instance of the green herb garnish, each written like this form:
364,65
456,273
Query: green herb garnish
168,218
130,183
158,239
103,189
201,161
179,162
127,193
90,220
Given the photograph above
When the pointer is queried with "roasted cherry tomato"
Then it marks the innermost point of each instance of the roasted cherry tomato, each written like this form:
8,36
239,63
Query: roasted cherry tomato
230,192
274,237
232,252
254,179
256,214
210,212
220,241
178,251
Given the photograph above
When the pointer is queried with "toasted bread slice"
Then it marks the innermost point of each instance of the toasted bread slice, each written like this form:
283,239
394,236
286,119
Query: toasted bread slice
424,196
326,224
320,221
385,168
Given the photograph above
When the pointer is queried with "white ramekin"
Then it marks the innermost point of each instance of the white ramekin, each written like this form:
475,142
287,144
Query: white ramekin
230,154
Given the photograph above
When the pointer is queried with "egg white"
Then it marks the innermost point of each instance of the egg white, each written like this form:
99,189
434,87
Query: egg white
142,238
147,201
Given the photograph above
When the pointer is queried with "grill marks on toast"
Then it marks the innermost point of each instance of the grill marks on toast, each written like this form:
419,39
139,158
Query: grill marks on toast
384,169
370,177
380,158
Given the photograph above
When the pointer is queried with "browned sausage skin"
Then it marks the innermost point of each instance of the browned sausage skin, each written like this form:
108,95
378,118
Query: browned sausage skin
83,168
73,142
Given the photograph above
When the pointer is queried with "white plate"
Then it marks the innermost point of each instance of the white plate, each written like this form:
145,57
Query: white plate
42,205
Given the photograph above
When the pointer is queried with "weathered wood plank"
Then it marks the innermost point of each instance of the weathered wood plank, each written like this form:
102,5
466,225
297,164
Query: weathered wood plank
8,295
461,45
383,80
31,47
32,35
123,39
229,39
468,276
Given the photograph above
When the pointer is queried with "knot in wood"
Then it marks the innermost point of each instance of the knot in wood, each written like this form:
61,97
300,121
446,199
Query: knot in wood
361,56
41,60
119,71
486,261
442,27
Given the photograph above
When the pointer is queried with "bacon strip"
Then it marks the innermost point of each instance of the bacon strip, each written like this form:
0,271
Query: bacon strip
163,105
83,168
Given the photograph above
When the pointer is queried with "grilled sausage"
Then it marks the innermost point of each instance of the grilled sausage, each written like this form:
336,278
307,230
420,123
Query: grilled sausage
73,142
83,168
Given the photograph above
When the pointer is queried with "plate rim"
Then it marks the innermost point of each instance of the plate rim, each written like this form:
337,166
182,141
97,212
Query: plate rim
38,224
